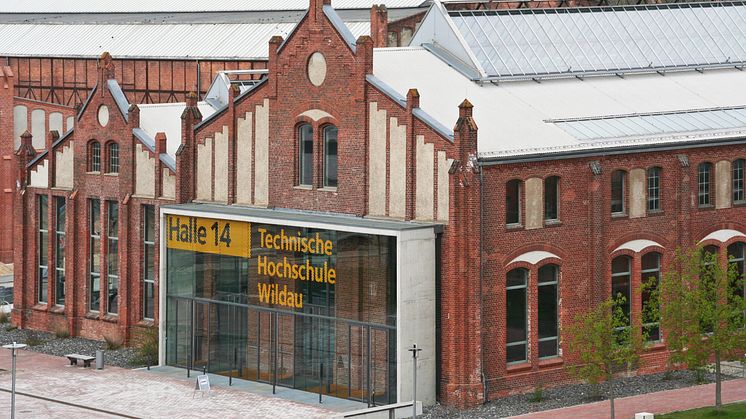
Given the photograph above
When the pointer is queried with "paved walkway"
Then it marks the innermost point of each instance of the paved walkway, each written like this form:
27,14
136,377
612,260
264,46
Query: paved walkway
130,392
657,403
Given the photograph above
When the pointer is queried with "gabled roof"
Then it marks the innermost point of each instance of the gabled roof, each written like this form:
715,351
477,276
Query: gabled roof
119,98
569,42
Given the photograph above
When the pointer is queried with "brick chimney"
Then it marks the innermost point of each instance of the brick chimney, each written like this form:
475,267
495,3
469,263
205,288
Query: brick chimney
379,25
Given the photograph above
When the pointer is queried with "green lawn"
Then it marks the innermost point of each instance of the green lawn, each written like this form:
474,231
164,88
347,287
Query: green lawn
735,410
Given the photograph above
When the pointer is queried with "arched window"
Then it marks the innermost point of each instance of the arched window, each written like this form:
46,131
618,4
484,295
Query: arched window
704,184
551,198
618,180
513,202
654,189
649,279
516,317
94,156
305,155
330,156
738,186
621,270
112,158
736,256
547,306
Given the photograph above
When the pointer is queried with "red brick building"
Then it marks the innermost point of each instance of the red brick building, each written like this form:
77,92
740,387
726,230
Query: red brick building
308,228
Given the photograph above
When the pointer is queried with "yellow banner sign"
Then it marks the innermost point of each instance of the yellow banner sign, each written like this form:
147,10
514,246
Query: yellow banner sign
209,235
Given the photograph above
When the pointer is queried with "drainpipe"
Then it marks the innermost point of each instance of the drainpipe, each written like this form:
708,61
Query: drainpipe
481,278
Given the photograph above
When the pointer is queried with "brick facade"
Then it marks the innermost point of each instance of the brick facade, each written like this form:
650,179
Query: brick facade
477,248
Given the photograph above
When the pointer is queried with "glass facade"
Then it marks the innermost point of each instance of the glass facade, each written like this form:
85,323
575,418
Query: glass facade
297,307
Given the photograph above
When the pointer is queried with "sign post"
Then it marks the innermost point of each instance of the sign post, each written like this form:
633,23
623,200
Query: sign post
202,385
13,347
415,350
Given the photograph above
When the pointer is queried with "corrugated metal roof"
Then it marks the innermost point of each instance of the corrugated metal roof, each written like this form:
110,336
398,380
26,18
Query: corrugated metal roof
517,118
138,6
166,118
568,42
211,41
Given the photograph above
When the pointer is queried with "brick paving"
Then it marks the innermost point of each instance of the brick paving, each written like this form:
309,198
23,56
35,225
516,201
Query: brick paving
131,392
657,403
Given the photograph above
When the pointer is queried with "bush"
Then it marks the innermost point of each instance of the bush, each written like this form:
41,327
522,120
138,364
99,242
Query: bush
538,394
147,349
33,339
4,317
113,343
11,328
61,333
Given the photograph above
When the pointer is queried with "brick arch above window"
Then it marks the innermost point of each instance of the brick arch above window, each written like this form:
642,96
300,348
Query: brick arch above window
638,246
535,257
723,236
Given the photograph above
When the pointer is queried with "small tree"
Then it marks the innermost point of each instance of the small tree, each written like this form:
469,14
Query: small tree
605,342
702,312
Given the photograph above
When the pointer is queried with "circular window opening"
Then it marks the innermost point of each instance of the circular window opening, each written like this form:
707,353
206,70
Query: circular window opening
317,69
103,115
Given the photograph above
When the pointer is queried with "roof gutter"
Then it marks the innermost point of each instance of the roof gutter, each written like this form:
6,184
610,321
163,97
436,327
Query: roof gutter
578,154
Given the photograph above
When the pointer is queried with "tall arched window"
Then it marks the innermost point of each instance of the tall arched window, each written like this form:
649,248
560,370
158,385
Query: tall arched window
94,156
738,185
621,270
618,180
547,306
305,155
654,189
112,158
551,198
704,184
736,256
330,156
650,276
516,317
513,202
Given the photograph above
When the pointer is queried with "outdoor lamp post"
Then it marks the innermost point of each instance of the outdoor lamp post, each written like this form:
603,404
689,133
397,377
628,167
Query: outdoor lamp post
415,350
13,347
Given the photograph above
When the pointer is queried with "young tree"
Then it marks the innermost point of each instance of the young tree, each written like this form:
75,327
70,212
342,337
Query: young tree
702,312
605,342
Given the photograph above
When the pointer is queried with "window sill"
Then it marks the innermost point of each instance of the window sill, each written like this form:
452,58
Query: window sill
514,368
303,187
706,207
111,318
111,174
551,362
656,346
40,307
512,227
93,173
552,223
739,203
146,323
619,215
328,189
654,213
58,309
92,315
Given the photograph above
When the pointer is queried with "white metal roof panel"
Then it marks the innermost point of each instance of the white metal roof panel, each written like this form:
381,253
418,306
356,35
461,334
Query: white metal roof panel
530,43
181,41
517,118
140,6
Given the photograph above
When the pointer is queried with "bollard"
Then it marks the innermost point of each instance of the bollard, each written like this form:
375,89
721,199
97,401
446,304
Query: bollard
99,359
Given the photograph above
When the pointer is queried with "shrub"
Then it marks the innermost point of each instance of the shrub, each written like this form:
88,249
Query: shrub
4,317
33,339
113,343
61,333
538,394
11,328
147,348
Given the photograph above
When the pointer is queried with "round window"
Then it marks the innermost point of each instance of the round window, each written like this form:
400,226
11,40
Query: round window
103,115
317,68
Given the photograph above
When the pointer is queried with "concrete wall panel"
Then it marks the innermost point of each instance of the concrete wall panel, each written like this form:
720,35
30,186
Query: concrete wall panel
534,203
40,175
64,164
244,137
444,164
145,172
261,155
425,182
723,184
637,196
221,165
204,170
397,169
377,161
70,123
168,184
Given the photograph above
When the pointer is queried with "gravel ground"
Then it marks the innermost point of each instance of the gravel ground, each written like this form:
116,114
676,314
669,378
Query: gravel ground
570,395
47,343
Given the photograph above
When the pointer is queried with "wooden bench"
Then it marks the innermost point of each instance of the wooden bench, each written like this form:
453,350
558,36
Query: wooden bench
74,358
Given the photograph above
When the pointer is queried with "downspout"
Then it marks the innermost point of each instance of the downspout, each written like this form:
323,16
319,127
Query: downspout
481,279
